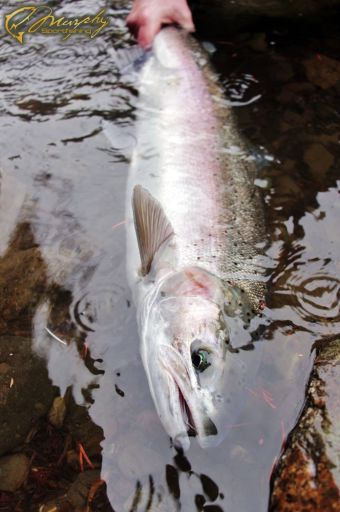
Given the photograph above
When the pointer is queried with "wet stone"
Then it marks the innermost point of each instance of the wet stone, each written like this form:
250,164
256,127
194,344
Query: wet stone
26,393
297,95
258,42
319,159
14,471
287,186
78,492
59,504
307,478
227,16
23,281
57,412
82,428
322,71
283,70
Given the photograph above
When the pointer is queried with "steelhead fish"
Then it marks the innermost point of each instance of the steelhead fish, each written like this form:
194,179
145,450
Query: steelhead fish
194,233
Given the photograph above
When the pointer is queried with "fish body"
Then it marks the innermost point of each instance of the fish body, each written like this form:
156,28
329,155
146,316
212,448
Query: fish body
194,232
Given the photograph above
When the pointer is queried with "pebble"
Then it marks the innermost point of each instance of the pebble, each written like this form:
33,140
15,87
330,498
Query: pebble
318,159
14,471
307,477
258,42
57,412
78,493
322,71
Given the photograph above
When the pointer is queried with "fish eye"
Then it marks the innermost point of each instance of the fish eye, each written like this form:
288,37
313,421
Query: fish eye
199,359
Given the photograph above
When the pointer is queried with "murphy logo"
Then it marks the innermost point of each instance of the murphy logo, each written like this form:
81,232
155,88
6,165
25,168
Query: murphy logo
30,19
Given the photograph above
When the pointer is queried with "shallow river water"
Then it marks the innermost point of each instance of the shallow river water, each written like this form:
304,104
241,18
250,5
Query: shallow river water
67,132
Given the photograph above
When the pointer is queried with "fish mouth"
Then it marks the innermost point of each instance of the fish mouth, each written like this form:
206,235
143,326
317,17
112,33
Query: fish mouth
179,402
208,427
186,414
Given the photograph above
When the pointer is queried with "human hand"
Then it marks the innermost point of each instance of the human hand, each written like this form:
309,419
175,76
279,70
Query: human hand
147,17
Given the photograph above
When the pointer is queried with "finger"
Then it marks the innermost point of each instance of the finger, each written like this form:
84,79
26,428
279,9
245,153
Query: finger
131,18
147,33
184,19
133,27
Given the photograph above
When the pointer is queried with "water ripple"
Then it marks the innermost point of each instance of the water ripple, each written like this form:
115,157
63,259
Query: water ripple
318,298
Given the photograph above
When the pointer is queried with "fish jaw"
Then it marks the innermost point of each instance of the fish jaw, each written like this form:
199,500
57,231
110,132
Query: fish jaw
197,404
185,401
166,397
180,403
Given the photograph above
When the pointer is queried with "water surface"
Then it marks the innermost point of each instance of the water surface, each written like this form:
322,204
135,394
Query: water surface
67,121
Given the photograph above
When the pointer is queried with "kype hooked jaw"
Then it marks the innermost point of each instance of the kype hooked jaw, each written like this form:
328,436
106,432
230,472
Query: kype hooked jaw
200,363
187,416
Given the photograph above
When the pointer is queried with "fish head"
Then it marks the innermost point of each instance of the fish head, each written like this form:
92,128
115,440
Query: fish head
184,348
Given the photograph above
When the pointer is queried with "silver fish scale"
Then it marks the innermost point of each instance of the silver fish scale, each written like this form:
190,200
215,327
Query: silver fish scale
190,157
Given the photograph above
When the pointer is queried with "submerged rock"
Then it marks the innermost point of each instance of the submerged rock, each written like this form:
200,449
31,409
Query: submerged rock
22,280
307,478
322,71
78,492
26,393
319,160
14,471
229,15
57,412
274,7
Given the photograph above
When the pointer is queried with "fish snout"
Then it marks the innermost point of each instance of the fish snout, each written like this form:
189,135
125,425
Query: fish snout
189,398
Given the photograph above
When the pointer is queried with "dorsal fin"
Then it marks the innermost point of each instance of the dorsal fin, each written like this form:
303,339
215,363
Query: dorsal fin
151,224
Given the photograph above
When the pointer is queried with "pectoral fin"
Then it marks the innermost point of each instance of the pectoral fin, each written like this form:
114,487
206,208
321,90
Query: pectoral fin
151,224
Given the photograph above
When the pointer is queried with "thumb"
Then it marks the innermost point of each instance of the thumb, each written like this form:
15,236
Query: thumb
184,19
147,32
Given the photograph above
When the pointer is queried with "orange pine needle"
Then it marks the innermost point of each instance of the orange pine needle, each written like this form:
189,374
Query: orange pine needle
253,392
84,454
81,463
267,397
92,492
119,224
263,395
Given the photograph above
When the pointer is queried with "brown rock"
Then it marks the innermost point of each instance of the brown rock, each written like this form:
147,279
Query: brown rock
59,504
226,16
57,412
295,92
82,428
307,478
14,470
26,393
284,71
258,42
78,493
287,186
322,71
319,159
23,277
